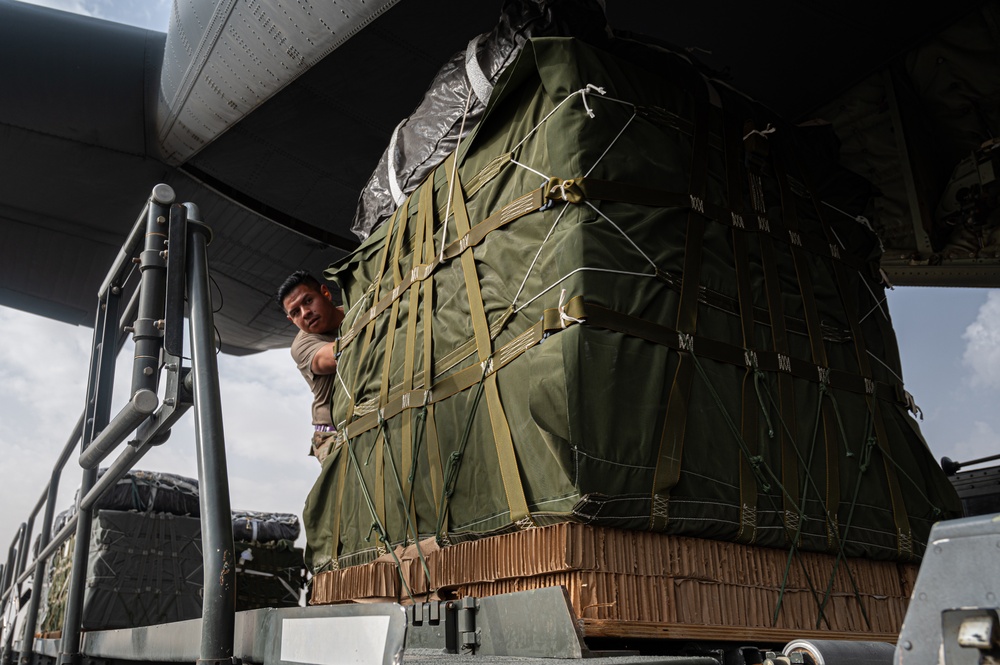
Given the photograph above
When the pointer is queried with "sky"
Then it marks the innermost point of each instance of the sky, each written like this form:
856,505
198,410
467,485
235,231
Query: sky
949,343
43,379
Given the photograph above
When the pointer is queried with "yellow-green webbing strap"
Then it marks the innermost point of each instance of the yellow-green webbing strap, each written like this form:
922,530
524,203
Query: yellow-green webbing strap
370,328
352,399
510,474
749,408
779,339
390,339
430,424
904,534
409,361
338,507
668,464
830,499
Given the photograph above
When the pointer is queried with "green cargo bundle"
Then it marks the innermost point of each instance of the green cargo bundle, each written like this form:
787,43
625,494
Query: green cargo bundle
650,307
268,574
143,568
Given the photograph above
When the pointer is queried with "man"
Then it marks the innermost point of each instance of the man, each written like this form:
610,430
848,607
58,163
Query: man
309,305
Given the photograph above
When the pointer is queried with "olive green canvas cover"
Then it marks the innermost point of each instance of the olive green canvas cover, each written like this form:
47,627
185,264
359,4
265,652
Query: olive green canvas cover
665,316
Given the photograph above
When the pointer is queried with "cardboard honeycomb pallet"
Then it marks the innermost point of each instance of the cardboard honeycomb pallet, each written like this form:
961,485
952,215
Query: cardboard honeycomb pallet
644,584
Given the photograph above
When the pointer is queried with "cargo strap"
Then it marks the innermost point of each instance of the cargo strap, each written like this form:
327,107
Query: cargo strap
668,463
464,379
369,326
341,462
409,442
904,534
779,340
507,457
578,190
830,496
555,320
530,202
749,408
390,339
433,443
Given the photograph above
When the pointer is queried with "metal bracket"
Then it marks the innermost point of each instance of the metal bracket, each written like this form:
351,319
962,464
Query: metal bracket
469,637
943,615
177,399
173,333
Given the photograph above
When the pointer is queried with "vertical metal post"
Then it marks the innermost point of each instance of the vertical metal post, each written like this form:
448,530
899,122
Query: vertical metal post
22,550
99,392
8,569
97,413
31,618
147,330
219,601
12,595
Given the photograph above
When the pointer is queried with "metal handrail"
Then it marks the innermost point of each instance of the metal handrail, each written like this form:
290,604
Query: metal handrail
49,493
99,434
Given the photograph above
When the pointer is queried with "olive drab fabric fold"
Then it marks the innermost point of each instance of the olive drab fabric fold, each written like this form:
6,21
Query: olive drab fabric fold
630,298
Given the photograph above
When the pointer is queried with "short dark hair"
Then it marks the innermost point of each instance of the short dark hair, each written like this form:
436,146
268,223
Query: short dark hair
296,278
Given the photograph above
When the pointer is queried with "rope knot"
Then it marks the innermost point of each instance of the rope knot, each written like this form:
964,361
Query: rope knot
568,191
583,94
761,132
565,318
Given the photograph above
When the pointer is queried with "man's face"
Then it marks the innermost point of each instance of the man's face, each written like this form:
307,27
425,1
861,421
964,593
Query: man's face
312,310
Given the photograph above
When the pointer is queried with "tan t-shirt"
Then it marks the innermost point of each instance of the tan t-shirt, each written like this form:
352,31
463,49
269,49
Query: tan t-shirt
304,347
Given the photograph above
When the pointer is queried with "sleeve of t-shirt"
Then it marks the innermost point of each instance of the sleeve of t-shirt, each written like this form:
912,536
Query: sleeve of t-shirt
304,349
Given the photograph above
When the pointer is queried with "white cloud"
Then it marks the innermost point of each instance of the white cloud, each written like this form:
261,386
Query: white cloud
982,441
74,6
982,337
148,14
43,375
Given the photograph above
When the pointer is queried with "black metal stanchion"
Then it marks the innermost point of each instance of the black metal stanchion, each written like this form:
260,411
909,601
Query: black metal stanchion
218,605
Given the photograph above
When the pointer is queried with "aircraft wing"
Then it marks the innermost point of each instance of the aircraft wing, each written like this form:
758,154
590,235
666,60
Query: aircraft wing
272,115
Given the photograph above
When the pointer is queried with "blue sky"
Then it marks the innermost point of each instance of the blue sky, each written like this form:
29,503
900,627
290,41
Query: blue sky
949,343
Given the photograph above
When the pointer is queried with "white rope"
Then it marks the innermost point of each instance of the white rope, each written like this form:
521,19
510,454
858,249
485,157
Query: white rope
582,269
860,219
884,365
357,305
538,253
583,96
611,145
542,121
454,171
525,166
767,130
341,379
878,303
581,92
563,211
838,238
624,235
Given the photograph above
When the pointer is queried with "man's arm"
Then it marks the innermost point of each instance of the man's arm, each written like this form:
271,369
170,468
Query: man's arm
324,361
